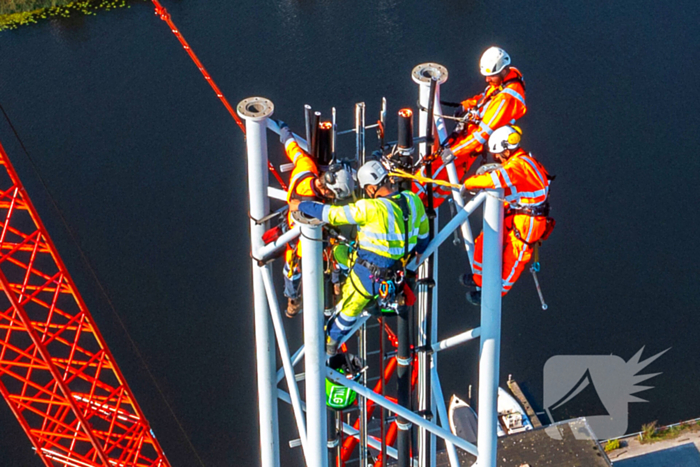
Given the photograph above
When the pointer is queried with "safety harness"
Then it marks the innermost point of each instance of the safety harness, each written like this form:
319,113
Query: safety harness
390,279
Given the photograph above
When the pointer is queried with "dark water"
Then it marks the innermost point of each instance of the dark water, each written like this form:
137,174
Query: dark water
148,170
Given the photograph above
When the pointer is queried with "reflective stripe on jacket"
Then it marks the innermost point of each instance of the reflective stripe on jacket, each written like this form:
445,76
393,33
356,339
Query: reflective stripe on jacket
496,106
304,173
524,180
380,223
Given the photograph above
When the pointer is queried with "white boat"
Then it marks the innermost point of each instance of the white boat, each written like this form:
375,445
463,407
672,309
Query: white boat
511,417
462,419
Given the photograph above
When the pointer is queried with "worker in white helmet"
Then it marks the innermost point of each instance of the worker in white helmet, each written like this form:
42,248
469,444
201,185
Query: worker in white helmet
525,184
391,225
501,103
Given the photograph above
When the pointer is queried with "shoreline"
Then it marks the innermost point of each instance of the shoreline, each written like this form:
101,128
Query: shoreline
25,12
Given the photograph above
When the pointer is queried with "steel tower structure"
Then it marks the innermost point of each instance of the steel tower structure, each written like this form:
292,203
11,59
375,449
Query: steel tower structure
312,428
56,371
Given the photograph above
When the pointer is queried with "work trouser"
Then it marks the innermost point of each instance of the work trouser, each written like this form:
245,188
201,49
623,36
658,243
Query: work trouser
359,290
292,271
516,252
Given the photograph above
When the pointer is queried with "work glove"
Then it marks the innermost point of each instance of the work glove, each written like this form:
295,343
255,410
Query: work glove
447,155
285,132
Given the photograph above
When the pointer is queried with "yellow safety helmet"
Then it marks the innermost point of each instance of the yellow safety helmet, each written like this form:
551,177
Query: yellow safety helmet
506,137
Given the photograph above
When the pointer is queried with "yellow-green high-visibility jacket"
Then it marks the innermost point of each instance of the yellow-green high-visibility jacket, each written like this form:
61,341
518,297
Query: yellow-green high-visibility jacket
381,226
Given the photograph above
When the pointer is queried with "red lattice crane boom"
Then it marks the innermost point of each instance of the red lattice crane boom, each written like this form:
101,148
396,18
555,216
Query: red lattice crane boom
56,372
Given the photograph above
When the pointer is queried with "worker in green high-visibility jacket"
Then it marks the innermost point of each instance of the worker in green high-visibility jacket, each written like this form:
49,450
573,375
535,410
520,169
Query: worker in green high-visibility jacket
391,226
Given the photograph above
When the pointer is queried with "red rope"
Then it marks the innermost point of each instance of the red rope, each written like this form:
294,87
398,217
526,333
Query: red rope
165,16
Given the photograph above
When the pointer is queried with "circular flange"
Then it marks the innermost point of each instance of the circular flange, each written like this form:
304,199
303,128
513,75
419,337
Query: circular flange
423,73
302,218
255,108
488,168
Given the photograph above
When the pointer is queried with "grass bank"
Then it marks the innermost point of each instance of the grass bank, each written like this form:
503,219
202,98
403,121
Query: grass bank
15,13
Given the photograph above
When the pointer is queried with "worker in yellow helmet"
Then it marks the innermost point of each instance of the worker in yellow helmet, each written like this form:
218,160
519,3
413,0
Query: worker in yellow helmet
525,184
391,226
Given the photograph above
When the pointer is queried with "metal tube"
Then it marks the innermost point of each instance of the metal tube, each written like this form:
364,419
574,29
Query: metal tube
403,382
255,111
382,375
324,145
429,77
456,340
312,293
274,127
442,412
268,251
338,378
362,344
301,351
307,126
490,328
445,233
426,94
360,133
347,429
276,193
314,135
334,134
382,121
453,178
296,358
287,365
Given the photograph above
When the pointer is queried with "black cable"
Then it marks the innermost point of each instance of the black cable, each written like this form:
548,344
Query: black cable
97,280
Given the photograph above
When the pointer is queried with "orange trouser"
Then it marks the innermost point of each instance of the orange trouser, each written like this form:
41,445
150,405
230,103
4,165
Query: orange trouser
516,253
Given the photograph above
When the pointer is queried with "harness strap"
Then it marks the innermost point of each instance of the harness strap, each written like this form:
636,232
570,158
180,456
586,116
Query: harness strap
406,213
293,188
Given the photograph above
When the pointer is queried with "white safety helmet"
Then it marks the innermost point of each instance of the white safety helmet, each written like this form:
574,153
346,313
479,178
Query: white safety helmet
340,180
493,61
506,137
371,173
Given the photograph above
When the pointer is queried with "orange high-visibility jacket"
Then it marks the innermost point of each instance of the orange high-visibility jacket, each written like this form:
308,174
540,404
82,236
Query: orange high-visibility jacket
525,184
524,180
301,183
301,186
496,106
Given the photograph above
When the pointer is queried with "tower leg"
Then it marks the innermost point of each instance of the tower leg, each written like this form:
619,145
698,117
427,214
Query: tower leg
490,329
255,111
315,359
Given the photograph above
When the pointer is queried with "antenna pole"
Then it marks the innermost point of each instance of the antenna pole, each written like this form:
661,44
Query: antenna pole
490,328
255,111
429,77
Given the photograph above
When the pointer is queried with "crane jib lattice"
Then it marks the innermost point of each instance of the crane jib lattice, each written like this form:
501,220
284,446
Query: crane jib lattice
56,372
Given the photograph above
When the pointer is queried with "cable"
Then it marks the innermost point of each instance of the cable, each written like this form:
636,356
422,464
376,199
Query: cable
35,168
165,16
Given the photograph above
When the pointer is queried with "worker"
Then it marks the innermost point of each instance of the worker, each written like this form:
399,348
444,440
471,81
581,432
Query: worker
309,184
501,103
525,183
391,226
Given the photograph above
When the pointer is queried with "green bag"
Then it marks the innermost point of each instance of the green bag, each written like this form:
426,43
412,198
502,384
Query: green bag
338,397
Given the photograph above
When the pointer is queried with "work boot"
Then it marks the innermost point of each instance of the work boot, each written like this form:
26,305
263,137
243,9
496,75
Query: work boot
331,346
294,306
467,280
474,297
